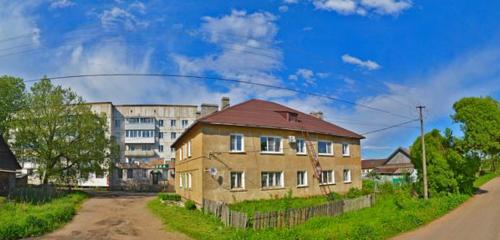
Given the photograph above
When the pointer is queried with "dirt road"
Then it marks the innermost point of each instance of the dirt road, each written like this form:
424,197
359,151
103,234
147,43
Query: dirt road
478,219
114,217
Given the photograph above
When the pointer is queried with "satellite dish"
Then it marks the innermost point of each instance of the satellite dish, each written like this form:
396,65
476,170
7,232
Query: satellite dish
212,171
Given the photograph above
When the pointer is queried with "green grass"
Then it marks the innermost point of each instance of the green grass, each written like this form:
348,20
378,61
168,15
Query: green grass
391,215
481,180
21,220
269,205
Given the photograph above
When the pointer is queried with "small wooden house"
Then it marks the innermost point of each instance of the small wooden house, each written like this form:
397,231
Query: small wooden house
8,167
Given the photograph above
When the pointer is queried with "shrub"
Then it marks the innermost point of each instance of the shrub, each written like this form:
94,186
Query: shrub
368,186
333,196
190,205
169,197
354,193
386,187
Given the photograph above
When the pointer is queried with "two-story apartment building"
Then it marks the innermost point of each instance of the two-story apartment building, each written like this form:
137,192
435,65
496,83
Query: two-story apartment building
257,150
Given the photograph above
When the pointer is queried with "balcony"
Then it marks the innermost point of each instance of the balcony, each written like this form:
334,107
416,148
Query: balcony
139,153
140,124
139,140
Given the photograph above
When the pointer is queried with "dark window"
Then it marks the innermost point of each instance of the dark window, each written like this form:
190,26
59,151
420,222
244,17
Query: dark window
130,173
160,123
119,173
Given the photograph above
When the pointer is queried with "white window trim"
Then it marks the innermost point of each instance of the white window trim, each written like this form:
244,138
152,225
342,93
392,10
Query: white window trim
190,181
242,143
180,180
180,153
350,176
305,147
242,180
348,150
333,178
331,148
273,152
189,149
282,180
305,179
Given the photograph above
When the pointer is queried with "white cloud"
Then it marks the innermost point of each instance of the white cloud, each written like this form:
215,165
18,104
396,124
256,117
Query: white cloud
61,4
307,29
290,1
368,64
362,7
307,75
283,8
119,17
138,6
246,52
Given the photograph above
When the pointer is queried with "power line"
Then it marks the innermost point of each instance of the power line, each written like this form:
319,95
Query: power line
226,80
389,127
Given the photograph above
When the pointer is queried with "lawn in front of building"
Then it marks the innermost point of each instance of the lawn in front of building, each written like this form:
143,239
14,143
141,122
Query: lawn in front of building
22,220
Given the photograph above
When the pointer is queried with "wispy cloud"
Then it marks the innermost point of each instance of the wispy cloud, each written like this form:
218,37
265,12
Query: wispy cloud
367,64
363,7
118,17
61,4
308,76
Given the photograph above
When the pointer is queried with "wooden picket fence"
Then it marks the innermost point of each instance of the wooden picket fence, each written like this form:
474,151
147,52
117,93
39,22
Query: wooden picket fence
284,218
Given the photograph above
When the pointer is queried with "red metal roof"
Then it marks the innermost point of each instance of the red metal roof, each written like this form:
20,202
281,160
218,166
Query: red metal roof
260,113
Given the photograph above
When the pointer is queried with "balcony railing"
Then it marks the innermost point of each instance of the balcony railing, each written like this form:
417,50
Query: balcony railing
147,140
139,153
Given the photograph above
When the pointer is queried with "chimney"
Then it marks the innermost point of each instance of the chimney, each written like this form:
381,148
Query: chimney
224,103
318,114
207,109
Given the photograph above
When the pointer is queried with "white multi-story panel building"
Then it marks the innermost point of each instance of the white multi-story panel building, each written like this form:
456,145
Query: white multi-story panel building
144,133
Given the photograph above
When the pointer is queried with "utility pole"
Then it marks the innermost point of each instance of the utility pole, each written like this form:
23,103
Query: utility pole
424,161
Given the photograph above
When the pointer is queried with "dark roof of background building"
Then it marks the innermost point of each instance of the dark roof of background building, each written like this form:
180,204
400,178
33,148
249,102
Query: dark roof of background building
8,160
372,163
260,113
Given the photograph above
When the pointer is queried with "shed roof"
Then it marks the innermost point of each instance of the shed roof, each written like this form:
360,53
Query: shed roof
8,160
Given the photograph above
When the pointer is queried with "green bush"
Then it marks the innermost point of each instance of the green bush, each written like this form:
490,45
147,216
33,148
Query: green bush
23,220
354,193
368,186
386,188
190,205
333,196
169,197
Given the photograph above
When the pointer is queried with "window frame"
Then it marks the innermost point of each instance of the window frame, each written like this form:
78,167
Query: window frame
160,148
190,180
173,135
189,149
241,180
332,180
131,176
267,145
274,180
173,123
297,145
349,176
331,148
184,121
348,150
160,123
242,142
305,182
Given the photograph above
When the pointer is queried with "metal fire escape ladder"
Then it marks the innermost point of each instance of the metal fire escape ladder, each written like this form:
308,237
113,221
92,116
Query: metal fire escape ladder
313,157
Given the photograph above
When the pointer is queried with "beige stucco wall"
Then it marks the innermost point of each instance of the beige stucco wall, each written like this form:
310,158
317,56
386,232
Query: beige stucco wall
215,152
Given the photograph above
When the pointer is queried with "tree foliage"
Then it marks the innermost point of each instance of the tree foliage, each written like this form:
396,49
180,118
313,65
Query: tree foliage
11,100
448,171
479,119
60,134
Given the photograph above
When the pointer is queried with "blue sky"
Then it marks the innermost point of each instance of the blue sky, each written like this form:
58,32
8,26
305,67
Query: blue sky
389,54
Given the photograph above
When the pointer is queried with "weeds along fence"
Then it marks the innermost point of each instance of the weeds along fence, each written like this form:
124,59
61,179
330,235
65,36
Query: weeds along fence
284,218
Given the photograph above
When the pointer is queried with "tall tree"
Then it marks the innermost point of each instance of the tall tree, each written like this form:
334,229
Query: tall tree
11,99
479,119
60,134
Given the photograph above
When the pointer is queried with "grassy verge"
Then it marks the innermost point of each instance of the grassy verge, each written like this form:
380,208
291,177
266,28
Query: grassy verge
391,215
21,220
485,178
